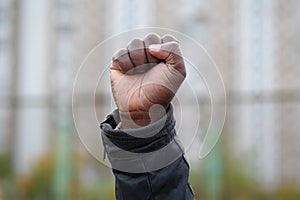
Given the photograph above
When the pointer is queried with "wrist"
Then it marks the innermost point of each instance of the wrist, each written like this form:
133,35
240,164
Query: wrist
137,119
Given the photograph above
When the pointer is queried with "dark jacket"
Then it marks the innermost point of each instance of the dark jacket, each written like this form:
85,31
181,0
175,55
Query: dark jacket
148,162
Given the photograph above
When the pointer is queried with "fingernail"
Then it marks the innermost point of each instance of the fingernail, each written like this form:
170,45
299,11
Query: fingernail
154,47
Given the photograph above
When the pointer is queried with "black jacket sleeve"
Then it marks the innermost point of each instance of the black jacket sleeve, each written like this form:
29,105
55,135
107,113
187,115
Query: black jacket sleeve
148,162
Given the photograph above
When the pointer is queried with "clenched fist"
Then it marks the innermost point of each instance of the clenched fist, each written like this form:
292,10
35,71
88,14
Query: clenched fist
145,77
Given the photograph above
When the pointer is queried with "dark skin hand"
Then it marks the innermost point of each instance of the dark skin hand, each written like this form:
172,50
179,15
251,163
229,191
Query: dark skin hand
145,78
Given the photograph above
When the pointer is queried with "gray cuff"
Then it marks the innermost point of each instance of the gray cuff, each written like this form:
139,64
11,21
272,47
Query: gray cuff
143,149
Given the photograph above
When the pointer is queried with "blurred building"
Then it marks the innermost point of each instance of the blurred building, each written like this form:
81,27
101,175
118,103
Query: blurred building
287,83
257,67
254,43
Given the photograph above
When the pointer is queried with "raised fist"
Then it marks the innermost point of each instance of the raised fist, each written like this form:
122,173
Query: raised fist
145,77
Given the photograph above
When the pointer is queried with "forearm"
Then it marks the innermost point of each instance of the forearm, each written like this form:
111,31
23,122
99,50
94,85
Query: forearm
148,161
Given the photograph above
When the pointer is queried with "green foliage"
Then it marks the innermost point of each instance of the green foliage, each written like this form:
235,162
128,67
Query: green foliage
219,172
5,167
235,181
39,185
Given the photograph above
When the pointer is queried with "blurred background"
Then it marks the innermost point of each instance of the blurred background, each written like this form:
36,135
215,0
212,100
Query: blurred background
255,43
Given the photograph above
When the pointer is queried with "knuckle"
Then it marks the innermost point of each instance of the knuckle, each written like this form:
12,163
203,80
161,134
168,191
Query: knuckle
171,47
169,38
174,44
135,44
136,51
152,38
121,60
119,54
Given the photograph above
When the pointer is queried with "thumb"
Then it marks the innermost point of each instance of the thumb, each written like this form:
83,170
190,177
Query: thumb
170,53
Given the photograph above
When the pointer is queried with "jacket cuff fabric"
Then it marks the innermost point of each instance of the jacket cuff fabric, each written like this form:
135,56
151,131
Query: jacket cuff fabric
141,149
